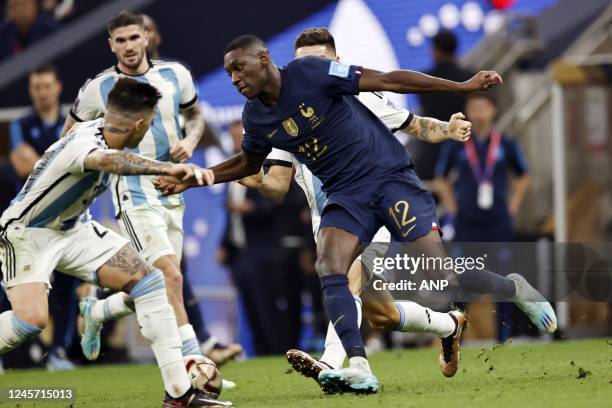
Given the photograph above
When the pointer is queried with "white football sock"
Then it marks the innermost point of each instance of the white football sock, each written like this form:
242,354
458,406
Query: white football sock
14,331
158,325
360,363
189,341
334,353
419,319
113,307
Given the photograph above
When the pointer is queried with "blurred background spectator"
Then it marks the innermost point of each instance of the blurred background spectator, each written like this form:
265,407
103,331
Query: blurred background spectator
24,25
57,9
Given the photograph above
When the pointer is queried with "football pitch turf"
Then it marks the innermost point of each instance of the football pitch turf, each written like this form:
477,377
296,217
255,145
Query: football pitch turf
560,374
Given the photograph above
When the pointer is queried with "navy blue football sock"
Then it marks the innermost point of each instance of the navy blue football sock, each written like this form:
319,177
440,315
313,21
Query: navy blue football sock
483,281
192,307
340,307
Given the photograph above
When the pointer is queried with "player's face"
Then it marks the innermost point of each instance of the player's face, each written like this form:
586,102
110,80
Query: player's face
140,128
247,69
45,90
316,51
480,111
129,44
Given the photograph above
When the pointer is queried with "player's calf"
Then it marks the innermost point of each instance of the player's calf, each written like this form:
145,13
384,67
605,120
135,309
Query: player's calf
14,331
158,325
28,317
384,322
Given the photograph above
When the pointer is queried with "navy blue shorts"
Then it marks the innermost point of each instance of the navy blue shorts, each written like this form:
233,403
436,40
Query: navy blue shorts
402,204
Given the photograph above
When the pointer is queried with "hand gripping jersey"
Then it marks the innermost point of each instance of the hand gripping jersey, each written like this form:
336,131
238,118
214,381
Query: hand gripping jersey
175,84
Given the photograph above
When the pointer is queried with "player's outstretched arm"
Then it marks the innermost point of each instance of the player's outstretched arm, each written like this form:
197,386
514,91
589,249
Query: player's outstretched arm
240,166
432,130
275,184
125,163
404,81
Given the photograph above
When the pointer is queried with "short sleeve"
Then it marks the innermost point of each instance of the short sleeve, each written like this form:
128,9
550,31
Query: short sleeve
88,104
189,95
446,160
16,134
253,142
394,117
278,157
333,77
516,157
76,150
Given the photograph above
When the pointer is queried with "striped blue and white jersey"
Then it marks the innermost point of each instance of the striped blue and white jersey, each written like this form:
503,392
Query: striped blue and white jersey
59,191
175,84
393,117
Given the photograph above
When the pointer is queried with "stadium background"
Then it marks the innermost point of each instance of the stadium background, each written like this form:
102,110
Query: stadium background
381,34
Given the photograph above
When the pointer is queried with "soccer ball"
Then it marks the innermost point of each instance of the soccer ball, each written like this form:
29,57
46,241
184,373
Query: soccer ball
204,375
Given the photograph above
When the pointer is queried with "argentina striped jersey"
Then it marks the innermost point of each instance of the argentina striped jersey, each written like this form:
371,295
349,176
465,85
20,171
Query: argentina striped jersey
59,191
178,92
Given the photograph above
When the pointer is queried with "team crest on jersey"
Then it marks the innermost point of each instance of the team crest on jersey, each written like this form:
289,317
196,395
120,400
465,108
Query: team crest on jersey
309,113
291,127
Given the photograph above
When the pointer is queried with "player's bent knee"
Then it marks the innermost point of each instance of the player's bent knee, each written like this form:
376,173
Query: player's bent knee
174,281
33,317
326,267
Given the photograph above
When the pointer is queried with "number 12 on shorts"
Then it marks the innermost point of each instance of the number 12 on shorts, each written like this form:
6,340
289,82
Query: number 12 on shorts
400,209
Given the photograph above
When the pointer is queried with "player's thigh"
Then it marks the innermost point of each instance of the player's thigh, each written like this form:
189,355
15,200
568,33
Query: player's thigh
336,251
146,226
408,211
29,303
29,255
88,247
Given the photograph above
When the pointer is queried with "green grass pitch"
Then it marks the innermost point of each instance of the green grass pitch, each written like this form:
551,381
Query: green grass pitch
563,374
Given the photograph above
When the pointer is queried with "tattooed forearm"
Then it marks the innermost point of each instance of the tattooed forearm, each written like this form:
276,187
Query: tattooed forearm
194,124
124,163
428,129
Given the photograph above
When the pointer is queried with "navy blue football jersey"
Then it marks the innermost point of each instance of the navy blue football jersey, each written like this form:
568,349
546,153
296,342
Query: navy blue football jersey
319,120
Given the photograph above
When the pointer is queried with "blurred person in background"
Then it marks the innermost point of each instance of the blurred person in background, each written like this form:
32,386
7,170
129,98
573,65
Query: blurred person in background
478,203
57,9
30,136
24,26
153,36
251,245
437,104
